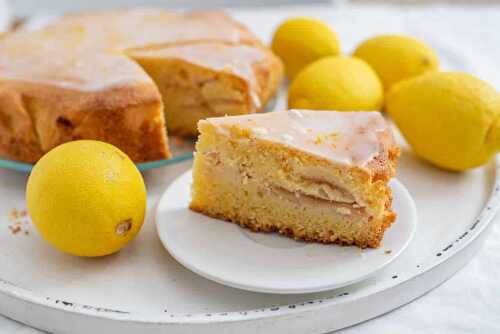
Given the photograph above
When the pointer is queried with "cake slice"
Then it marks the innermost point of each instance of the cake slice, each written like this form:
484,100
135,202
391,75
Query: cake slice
311,175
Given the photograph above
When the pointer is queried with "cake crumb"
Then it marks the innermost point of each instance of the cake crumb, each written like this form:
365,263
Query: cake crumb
13,215
318,140
15,229
20,221
388,251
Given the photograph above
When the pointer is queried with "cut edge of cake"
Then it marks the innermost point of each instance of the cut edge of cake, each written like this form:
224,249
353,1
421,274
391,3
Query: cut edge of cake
241,81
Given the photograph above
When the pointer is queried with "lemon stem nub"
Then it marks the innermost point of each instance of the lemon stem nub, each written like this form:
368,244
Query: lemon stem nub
123,227
493,137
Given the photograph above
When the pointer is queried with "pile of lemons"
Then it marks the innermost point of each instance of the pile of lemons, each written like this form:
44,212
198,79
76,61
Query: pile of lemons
450,119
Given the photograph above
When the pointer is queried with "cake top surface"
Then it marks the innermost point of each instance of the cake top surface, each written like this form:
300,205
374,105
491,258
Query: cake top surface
88,51
348,138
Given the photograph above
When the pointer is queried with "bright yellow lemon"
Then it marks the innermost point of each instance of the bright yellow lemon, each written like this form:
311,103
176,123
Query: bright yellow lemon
397,57
450,119
301,40
86,198
336,83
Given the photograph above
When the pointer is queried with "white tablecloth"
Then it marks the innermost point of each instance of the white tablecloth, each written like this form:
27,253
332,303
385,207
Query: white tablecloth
466,38
5,15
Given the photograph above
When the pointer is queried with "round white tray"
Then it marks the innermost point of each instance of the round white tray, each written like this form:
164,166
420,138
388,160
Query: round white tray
142,289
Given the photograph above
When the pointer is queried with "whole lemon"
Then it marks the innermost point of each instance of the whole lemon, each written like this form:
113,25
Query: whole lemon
450,119
86,198
336,83
301,40
396,57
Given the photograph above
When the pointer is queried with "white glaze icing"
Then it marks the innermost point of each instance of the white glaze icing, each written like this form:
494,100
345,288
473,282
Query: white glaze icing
86,51
349,138
126,29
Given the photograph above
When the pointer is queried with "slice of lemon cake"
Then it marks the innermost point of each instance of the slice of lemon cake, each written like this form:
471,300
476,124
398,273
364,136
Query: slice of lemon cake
311,175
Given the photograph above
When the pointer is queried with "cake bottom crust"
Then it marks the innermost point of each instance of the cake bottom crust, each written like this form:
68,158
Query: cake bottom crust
255,226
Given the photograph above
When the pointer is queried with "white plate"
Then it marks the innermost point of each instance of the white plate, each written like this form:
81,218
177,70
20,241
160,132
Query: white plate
268,262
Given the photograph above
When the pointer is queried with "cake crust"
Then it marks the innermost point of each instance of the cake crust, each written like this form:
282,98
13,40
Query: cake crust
36,118
328,238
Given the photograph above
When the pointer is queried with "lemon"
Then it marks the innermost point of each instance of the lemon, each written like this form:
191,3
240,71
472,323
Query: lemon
301,40
450,119
86,198
397,57
336,83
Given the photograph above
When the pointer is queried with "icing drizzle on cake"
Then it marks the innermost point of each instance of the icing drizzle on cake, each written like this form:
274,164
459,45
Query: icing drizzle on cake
350,138
88,51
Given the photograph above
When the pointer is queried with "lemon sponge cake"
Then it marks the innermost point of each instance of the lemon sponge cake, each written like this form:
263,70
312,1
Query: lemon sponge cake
117,75
311,175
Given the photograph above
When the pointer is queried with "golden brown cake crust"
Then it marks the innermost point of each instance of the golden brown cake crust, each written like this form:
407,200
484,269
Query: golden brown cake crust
36,118
326,239
74,79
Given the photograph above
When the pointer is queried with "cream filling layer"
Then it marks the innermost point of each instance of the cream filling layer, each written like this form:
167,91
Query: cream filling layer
303,199
318,189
